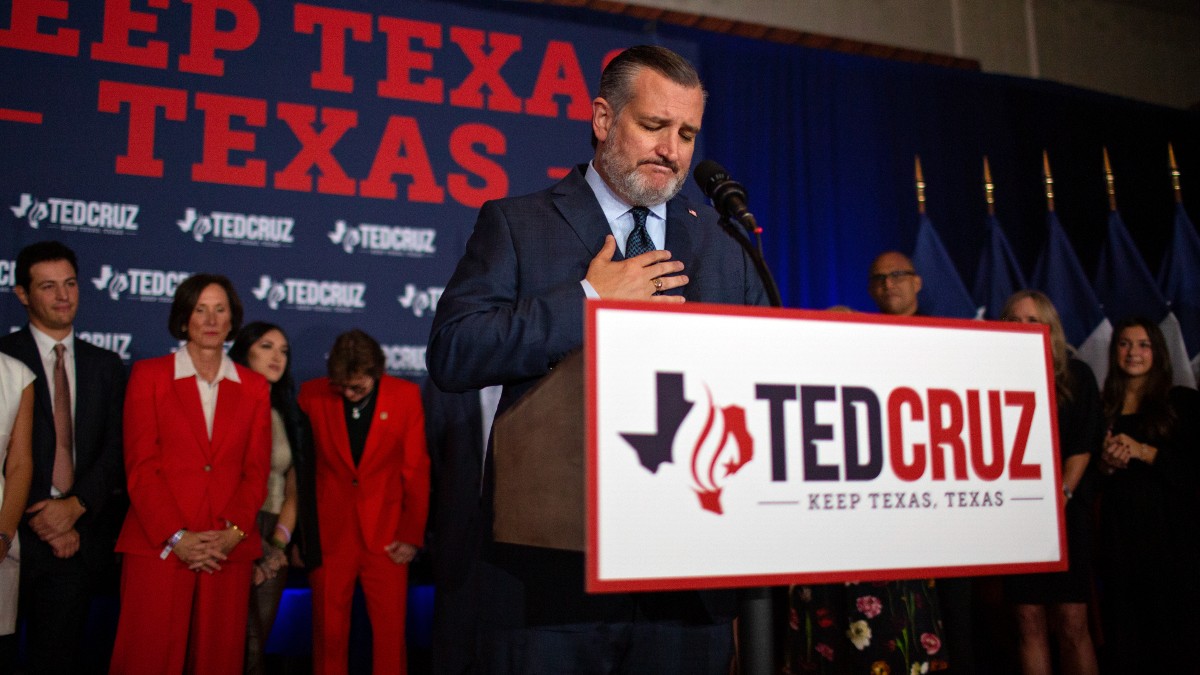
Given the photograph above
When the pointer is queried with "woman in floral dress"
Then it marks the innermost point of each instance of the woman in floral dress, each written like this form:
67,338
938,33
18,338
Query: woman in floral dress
876,628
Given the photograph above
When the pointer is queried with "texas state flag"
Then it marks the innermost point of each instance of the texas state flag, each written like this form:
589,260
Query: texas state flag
1127,289
999,275
1059,275
942,290
1179,281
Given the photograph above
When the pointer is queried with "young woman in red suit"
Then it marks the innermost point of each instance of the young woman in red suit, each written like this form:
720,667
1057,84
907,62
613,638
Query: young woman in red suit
372,499
197,454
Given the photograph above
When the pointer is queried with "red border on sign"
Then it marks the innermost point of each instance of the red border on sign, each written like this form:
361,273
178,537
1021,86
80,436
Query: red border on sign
597,585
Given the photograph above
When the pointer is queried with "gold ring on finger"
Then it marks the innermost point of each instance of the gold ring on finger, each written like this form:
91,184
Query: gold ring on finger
658,284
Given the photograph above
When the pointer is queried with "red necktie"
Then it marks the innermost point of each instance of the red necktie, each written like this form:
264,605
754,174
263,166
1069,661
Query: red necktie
63,476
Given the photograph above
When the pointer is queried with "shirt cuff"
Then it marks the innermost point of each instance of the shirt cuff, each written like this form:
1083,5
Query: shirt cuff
588,290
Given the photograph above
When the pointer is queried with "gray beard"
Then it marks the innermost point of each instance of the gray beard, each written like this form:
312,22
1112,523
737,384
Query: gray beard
632,187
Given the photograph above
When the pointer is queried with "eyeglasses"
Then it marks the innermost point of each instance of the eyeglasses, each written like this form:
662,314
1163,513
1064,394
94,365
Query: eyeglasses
894,275
354,389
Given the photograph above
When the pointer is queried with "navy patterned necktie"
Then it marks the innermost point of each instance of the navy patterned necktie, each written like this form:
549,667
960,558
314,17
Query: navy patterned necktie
639,239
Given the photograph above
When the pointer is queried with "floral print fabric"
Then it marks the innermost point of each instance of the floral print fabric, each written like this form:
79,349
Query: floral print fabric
880,628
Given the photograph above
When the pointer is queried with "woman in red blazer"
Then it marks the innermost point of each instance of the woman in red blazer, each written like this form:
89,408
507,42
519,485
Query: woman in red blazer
372,499
197,453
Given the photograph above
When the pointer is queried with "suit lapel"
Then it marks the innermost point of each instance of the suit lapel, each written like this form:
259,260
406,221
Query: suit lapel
574,199
84,374
381,412
335,421
681,220
188,397
43,408
229,403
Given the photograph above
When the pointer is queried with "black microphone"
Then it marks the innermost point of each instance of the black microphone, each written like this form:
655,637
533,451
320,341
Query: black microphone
727,195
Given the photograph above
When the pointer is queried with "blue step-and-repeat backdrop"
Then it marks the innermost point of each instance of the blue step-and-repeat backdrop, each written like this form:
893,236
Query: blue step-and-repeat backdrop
328,157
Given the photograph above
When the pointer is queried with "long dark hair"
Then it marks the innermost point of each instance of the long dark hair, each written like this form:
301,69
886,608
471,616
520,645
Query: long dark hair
1158,417
283,392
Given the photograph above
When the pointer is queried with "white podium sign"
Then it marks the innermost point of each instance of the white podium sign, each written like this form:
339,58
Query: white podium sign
733,446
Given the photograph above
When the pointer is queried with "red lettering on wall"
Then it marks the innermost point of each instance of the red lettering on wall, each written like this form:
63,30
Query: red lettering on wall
560,75
609,57
402,60
462,150
401,151
485,70
904,470
316,149
945,430
120,21
220,139
144,102
22,31
334,23
206,38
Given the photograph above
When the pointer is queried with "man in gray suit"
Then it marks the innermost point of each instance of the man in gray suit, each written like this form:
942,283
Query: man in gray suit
615,228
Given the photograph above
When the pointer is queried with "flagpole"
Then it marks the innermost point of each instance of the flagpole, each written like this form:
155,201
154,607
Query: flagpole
1174,175
920,187
1048,180
1109,182
989,188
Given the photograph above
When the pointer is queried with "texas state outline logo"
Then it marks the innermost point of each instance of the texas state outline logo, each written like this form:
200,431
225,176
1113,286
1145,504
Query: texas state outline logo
716,453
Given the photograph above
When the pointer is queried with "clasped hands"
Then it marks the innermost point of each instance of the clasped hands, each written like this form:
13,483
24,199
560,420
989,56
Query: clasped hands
54,523
1120,449
204,551
637,278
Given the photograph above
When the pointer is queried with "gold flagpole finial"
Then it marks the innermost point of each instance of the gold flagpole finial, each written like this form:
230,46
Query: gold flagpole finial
1109,182
920,187
1048,180
989,188
1174,175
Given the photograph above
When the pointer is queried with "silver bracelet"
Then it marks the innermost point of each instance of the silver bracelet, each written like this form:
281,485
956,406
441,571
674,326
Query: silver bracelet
171,543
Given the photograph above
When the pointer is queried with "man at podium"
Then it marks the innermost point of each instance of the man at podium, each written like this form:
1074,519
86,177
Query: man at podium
614,228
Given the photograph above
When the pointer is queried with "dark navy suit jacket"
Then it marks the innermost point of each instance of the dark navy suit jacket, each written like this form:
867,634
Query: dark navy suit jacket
514,308
99,467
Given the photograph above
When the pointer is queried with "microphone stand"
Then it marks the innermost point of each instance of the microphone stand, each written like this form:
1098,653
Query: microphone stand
756,621
755,252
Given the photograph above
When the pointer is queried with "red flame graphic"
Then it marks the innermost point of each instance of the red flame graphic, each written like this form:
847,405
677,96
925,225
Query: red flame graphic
714,450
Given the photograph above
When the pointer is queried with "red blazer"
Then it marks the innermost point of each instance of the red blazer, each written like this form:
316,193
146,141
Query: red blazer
176,476
387,494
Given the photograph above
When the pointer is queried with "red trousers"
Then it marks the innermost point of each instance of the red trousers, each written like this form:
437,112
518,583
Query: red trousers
174,620
385,585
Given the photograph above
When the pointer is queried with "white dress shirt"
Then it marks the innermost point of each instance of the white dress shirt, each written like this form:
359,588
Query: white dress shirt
184,367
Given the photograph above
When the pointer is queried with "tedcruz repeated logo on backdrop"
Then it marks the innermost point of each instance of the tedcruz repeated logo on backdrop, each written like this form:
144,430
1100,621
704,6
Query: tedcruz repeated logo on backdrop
238,228
721,449
412,242
8,275
312,294
77,215
420,301
146,285
115,342
405,360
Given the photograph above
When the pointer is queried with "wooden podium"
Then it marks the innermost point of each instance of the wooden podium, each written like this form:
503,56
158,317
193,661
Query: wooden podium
539,463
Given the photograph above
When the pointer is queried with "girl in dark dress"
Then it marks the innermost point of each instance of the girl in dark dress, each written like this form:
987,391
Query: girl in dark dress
1057,602
1148,508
